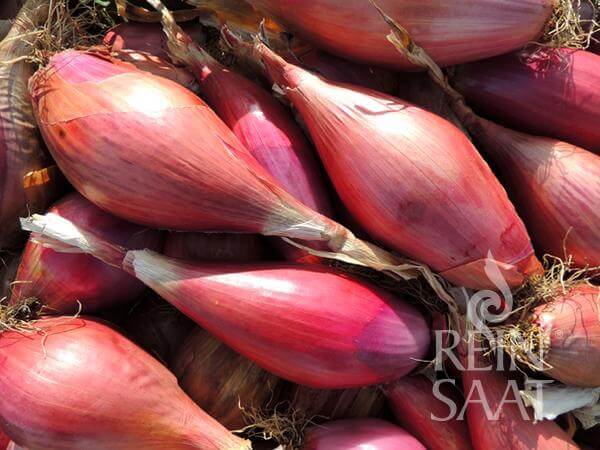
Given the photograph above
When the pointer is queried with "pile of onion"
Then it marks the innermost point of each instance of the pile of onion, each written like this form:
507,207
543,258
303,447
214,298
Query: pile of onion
156,155
68,283
360,336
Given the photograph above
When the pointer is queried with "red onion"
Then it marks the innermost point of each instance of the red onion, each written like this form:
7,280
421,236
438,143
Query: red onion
64,282
155,154
566,332
221,381
359,336
555,187
27,186
146,38
509,430
413,403
80,384
214,247
157,327
410,178
359,434
332,331
555,96
451,33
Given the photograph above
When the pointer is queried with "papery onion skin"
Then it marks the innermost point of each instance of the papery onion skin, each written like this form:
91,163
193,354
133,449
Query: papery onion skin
220,380
83,385
414,404
64,283
451,33
509,430
21,152
358,434
157,327
572,323
215,247
555,187
410,178
331,330
146,37
556,96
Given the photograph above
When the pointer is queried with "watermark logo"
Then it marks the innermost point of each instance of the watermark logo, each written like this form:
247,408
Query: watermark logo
491,384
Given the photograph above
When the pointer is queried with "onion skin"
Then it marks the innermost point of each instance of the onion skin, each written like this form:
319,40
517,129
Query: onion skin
421,177
358,434
146,38
413,403
157,327
555,187
451,34
359,336
214,247
557,97
572,322
25,186
220,380
52,382
64,282
510,431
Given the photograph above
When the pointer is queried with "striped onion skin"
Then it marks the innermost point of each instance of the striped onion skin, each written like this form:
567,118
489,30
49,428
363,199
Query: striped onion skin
451,32
555,187
556,96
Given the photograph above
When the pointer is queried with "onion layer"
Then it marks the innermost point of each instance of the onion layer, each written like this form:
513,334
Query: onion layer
556,97
66,282
79,384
